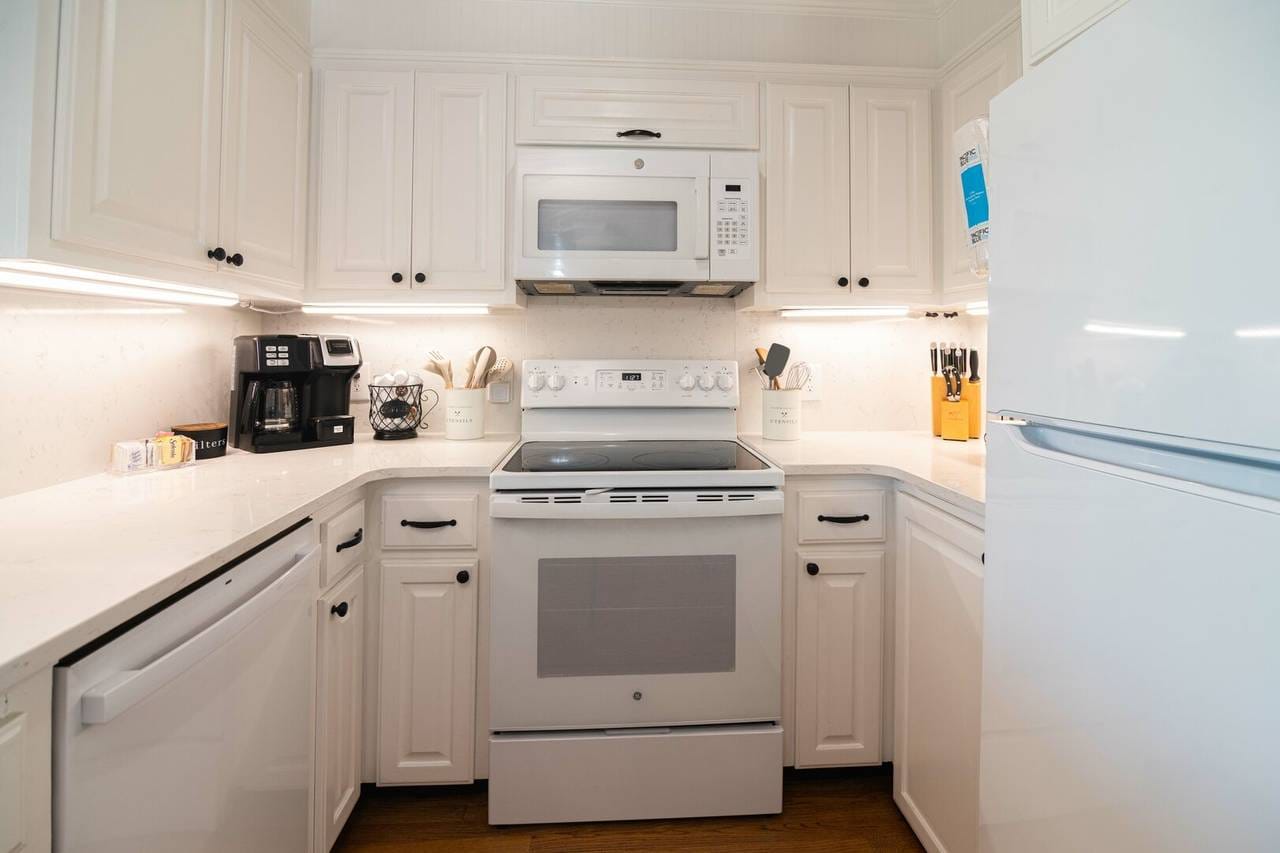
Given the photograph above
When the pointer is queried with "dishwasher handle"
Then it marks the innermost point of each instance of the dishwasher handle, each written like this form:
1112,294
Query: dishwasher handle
114,695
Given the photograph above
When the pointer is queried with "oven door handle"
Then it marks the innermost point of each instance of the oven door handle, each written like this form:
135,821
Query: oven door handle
505,505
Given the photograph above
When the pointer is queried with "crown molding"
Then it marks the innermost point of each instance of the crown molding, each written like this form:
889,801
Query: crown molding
324,57
898,10
997,31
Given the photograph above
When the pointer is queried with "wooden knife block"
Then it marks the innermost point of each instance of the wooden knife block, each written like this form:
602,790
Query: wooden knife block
971,393
955,420
937,396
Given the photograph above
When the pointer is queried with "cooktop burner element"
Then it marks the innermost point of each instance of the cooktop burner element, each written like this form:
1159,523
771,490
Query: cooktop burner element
539,457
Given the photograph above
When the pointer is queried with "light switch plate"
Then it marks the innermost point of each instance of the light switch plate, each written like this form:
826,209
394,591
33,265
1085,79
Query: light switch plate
498,392
359,388
812,389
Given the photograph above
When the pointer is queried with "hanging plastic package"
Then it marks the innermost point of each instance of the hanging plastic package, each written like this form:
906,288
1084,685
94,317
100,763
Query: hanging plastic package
971,149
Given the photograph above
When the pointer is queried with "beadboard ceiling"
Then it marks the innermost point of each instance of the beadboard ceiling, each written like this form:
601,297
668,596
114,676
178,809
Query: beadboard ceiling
912,9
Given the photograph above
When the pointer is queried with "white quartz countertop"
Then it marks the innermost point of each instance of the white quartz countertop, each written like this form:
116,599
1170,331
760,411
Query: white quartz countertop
81,557
953,471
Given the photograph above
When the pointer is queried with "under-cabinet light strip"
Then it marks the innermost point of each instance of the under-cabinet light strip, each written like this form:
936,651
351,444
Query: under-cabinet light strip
51,277
880,311
390,309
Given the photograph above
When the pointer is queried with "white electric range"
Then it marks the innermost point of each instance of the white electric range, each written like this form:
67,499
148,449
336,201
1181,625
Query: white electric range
635,600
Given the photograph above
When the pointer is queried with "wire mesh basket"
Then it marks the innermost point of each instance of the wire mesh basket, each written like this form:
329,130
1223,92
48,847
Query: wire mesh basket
397,411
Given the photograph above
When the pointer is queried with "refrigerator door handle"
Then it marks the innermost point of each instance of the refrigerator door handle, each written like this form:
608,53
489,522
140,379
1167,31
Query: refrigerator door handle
1225,474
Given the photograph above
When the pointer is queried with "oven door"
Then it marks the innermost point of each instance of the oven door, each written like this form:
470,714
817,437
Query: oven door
590,215
610,615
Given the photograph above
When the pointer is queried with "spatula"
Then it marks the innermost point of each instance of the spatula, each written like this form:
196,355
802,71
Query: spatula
776,362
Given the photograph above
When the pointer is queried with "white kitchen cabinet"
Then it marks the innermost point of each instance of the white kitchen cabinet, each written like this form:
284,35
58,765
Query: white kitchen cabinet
138,129
838,658
1049,24
459,140
892,185
634,111
848,203
965,94
339,705
807,198
938,675
265,139
365,175
426,727
26,759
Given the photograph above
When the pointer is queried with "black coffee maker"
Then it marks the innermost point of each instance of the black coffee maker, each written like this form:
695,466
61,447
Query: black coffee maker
293,391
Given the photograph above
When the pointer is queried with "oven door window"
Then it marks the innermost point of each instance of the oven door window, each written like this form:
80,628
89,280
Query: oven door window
636,615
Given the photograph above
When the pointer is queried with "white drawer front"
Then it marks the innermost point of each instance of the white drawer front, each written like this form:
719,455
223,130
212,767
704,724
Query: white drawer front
679,113
429,521
852,516
342,542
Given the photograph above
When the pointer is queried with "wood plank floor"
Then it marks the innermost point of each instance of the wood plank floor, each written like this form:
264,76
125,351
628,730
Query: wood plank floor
823,812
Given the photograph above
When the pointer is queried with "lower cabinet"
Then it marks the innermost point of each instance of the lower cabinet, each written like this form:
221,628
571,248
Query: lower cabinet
25,765
339,705
427,688
938,675
839,623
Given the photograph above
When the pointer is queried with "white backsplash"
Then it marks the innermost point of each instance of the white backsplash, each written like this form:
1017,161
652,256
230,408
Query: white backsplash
82,373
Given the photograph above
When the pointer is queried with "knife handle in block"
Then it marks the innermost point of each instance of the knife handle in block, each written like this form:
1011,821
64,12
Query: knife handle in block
971,393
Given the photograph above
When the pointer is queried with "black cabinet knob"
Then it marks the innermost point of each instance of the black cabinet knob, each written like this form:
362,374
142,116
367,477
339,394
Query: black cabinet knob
811,568
236,260
340,610
864,282
420,277
842,281
464,576
217,254
396,277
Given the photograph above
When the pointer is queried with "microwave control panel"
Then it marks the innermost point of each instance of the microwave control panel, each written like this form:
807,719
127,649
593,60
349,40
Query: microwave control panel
735,211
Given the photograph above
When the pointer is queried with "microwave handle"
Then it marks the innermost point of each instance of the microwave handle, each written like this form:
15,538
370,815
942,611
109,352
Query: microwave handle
702,240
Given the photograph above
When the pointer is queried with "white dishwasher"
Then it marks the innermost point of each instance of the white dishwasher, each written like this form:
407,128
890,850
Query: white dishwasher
189,728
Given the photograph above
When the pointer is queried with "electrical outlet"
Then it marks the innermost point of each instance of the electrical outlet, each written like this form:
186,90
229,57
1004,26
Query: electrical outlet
359,388
498,392
812,390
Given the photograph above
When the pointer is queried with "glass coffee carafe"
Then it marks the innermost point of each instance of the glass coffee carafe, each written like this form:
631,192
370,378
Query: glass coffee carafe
279,411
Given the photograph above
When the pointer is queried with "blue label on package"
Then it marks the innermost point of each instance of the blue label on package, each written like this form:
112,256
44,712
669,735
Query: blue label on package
974,184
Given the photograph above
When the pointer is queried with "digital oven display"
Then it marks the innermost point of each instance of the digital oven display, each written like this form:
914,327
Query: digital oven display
630,377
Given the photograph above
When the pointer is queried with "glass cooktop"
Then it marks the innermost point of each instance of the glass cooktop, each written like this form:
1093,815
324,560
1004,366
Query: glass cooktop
702,455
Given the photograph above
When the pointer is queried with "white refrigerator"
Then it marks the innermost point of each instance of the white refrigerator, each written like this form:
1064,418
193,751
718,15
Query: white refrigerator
1131,685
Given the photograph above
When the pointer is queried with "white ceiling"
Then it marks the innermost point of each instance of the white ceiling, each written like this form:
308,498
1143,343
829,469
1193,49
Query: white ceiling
914,9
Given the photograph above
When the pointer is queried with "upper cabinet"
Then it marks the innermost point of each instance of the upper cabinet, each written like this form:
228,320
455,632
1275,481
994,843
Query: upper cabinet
1049,24
410,200
167,141
847,202
637,111
965,94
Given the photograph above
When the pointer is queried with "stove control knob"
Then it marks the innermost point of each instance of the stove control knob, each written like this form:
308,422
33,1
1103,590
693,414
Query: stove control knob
536,381
686,383
724,382
555,382
706,382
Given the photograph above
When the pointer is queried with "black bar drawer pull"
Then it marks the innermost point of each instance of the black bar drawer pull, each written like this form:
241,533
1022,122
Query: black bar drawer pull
652,134
428,525
844,519
352,542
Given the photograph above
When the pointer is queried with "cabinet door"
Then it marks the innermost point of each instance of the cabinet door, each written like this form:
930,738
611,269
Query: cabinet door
459,149
1049,24
892,233
807,197
264,148
426,730
938,675
966,94
138,128
339,705
839,623
366,180
26,724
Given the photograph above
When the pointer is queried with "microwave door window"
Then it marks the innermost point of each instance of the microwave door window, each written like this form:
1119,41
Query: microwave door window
587,225
636,615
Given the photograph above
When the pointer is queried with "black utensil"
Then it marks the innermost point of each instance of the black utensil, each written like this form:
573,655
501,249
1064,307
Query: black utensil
973,365
775,362
933,357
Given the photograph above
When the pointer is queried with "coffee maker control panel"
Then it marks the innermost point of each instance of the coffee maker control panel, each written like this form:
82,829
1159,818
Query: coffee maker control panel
291,355
339,351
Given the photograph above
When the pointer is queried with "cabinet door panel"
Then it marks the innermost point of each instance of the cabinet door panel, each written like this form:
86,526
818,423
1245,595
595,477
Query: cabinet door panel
339,706
366,168
839,623
137,128
807,197
264,150
459,149
938,675
891,242
427,698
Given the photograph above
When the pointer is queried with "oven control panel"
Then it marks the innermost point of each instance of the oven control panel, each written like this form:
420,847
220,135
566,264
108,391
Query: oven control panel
620,383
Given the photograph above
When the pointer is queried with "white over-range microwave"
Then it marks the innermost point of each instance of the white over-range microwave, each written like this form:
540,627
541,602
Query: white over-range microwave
635,221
